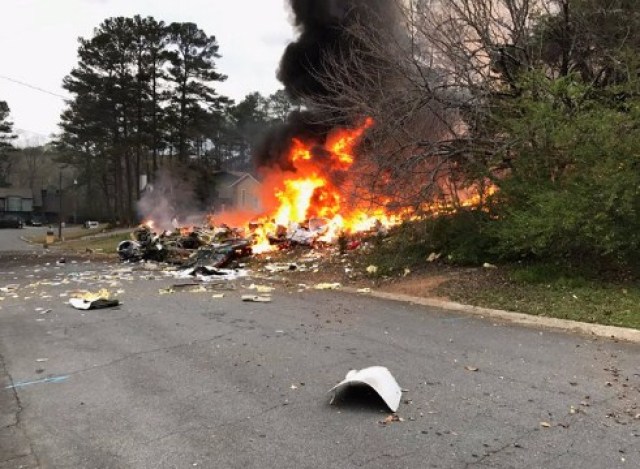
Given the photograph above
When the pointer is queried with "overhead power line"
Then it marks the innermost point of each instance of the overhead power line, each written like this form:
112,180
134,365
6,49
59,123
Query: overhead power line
33,87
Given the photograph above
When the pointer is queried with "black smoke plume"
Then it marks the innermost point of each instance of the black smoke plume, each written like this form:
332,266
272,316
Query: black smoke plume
323,31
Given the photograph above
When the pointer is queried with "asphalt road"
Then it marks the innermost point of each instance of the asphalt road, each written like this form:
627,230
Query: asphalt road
10,238
187,380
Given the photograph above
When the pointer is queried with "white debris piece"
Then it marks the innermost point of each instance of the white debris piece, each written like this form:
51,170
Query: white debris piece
377,378
256,299
327,286
217,274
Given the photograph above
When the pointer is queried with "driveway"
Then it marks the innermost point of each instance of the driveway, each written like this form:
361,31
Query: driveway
189,380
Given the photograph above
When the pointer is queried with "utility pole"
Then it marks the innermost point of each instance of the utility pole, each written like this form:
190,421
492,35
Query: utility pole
60,208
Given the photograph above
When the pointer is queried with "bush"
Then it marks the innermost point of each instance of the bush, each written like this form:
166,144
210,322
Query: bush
573,191
459,237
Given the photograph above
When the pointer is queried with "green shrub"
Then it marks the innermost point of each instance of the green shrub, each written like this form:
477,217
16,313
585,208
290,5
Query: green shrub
573,191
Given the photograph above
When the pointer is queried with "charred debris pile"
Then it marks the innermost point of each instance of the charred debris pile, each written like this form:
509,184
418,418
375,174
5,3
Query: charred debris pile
208,249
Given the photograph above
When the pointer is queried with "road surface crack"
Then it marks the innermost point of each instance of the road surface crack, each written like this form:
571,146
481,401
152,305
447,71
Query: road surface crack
17,423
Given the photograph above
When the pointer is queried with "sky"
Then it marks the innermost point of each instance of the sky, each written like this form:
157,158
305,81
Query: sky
39,43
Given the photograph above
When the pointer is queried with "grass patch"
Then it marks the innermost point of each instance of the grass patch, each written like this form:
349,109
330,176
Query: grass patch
550,291
105,244
69,234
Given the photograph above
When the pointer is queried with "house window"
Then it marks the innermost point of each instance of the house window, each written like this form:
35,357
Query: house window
244,198
14,204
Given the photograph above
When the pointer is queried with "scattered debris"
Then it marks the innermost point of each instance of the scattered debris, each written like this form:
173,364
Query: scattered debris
364,290
391,419
486,265
471,368
9,288
327,286
433,257
79,303
256,299
545,424
377,378
261,288
88,300
277,268
372,269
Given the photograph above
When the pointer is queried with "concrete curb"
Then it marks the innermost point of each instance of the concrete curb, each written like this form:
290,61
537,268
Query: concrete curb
593,330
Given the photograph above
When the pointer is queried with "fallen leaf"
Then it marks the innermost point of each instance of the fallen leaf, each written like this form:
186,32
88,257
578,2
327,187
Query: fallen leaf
545,424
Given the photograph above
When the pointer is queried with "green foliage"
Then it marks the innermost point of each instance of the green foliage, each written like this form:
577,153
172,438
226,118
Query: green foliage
459,238
573,190
6,128
142,90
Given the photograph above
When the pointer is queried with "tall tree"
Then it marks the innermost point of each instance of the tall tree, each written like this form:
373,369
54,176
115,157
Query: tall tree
142,91
193,70
6,135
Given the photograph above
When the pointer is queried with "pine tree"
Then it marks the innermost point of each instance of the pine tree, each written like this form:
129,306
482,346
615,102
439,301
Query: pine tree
195,103
6,135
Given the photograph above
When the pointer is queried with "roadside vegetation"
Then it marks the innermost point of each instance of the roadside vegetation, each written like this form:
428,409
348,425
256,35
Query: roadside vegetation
69,233
97,245
551,291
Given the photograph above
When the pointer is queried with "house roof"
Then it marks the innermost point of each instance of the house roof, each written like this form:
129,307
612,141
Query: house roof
22,192
231,178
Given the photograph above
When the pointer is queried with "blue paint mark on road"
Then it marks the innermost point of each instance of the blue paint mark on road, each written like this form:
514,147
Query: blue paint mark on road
52,379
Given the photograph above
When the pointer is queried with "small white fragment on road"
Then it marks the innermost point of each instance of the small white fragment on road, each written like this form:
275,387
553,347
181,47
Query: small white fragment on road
377,378
261,288
327,286
486,265
364,290
42,360
256,299
99,303
218,296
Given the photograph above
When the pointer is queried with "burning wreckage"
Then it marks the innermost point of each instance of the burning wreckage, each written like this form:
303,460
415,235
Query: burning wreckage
311,205
203,250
